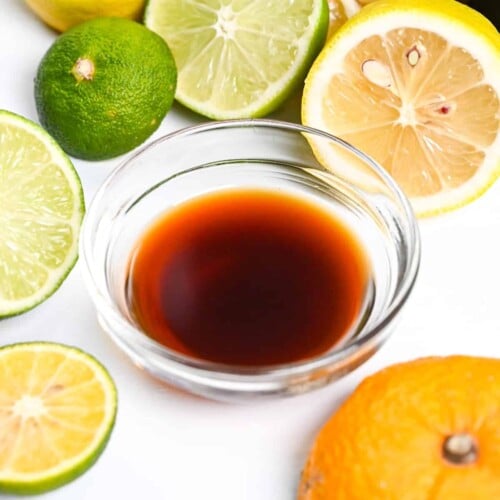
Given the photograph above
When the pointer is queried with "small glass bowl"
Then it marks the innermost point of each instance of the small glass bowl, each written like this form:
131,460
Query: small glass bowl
262,154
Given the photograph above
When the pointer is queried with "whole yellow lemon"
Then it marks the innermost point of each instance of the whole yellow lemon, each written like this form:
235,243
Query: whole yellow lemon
63,14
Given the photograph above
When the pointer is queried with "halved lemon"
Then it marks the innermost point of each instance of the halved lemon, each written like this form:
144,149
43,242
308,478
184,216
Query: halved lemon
57,409
415,84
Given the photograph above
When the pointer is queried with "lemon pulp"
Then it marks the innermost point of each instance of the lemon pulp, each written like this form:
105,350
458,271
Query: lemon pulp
416,88
57,410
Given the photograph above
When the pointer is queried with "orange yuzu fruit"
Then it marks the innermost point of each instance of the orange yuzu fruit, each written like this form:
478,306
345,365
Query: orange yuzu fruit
420,430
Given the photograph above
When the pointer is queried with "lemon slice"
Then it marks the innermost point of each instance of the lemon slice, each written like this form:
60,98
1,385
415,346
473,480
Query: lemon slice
41,209
239,59
415,84
340,12
57,409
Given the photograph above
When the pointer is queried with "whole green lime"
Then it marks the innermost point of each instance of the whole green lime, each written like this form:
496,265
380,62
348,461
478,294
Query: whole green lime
104,87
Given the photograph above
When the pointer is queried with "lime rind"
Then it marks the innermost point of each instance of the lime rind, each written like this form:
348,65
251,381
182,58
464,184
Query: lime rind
242,63
20,245
104,87
67,471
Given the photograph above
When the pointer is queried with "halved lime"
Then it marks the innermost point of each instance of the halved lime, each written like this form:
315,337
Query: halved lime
41,209
57,410
239,59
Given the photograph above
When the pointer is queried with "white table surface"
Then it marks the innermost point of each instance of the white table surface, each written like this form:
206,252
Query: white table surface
170,445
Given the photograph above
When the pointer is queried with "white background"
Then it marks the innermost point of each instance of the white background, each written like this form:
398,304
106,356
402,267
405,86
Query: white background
170,445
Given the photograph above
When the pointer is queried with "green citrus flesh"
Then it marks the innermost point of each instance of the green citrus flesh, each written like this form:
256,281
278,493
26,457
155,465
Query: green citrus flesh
239,59
104,87
58,407
41,210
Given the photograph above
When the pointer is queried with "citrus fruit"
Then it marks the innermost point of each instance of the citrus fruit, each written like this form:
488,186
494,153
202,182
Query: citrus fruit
57,410
104,87
63,14
340,12
41,210
239,59
487,8
425,429
415,84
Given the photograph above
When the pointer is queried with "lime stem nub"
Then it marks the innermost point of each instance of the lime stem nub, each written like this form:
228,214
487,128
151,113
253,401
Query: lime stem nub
83,69
460,449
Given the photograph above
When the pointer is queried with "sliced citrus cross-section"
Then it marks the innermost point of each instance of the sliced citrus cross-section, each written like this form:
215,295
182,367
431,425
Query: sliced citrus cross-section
239,59
41,209
340,11
415,84
57,409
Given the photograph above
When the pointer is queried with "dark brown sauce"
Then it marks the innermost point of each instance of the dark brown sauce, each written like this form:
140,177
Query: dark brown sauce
248,278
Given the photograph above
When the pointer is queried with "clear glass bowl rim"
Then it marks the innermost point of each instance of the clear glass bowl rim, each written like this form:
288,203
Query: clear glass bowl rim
106,306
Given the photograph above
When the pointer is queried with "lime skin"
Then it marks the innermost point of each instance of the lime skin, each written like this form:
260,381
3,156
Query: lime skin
104,87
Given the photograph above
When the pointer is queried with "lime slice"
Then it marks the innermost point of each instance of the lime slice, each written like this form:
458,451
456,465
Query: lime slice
57,409
41,209
415,84
239,59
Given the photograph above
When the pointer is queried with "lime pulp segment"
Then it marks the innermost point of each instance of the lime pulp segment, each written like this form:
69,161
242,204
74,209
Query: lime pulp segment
41,209
242,58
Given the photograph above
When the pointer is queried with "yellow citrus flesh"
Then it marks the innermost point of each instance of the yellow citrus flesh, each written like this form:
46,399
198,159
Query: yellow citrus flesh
415,86
340,11
57,409
63,14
